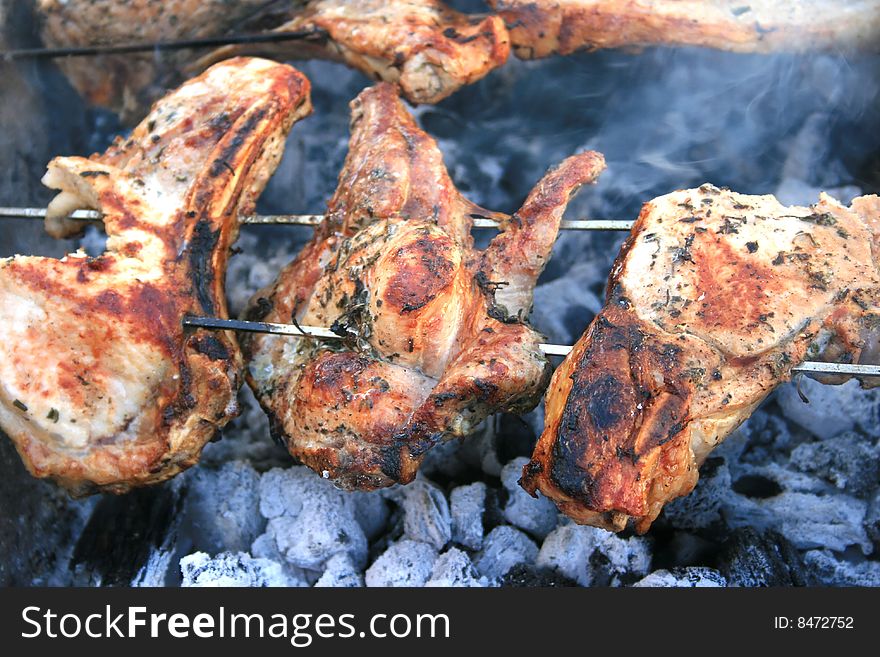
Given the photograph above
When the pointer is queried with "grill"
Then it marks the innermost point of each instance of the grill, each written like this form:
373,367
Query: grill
792,498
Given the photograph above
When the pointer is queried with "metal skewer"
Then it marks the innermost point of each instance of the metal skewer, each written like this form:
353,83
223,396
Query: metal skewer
809,367
315,219
217,324
180,44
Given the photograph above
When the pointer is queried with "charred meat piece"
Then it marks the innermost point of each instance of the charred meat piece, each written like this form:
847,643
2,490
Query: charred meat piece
100,386
424,46
539,28
427,48
712,301
436,332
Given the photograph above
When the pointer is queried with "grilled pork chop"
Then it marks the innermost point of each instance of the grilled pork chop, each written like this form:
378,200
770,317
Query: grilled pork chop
436,332
539,28
427,48
100,386
712,301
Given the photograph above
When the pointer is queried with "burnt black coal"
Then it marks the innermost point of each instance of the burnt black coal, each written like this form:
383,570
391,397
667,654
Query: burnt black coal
749,558
766,511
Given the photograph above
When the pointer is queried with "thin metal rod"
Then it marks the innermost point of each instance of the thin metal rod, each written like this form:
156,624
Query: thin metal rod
298,331
217,324
40,213
847,369
809,367
181,44
315,219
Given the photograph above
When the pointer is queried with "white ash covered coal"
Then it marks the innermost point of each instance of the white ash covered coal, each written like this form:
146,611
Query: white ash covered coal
231,569
791,499
694,577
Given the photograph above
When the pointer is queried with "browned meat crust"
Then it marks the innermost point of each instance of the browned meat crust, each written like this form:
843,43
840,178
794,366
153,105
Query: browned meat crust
712,301
102,389
539,28
424,46
437,338
427,48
